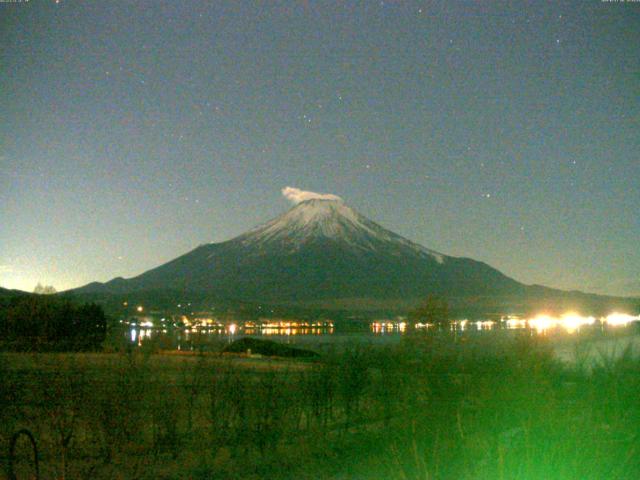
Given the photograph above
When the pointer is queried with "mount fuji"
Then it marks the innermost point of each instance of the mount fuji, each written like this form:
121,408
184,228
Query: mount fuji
321,251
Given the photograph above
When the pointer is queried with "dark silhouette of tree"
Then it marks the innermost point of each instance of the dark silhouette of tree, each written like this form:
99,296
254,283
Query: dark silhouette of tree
38,322
433,310
44,290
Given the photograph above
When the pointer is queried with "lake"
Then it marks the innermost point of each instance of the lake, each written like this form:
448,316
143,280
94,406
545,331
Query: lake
322,336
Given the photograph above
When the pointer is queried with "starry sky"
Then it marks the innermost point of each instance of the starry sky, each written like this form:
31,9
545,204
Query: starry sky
133,131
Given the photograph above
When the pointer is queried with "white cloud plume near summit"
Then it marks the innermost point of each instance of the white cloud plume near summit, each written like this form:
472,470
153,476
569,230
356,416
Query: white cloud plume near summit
296,195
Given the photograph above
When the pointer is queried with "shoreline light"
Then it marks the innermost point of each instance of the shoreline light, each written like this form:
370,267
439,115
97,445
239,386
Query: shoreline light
572,321
619,319
542,323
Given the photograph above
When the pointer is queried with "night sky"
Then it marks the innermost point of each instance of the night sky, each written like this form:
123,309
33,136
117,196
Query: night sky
508,132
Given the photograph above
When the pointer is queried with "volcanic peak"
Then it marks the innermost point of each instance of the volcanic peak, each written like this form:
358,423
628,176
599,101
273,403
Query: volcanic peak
329,219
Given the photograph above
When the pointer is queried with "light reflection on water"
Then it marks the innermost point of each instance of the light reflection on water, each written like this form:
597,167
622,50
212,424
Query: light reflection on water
180,338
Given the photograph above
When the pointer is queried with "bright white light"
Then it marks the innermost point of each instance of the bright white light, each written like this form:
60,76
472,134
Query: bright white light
232,328
572,321
542,323
147,323
139,308
616,319
513,322
424,325
485,324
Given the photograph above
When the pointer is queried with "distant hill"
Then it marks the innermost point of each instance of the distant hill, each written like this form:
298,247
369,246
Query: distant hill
5,292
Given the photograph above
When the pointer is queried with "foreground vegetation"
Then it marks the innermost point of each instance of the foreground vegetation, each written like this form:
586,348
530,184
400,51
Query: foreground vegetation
428,408
48,323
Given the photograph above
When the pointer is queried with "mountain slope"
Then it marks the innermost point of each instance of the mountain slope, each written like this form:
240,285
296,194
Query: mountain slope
320,249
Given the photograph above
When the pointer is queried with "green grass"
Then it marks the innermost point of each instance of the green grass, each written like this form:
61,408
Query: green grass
428,408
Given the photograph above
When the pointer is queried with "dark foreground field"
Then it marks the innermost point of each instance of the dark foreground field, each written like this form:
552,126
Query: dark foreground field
428,408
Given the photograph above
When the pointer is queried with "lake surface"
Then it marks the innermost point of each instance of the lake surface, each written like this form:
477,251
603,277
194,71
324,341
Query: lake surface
564,331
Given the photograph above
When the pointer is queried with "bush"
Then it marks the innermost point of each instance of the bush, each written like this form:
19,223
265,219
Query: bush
41,323
267,348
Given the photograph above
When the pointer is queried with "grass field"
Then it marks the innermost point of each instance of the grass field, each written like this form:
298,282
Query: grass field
426,408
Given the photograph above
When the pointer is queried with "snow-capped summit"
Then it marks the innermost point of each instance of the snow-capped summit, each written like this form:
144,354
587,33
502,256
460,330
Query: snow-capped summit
324,254
319,250
328,219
